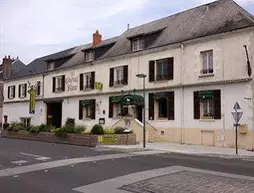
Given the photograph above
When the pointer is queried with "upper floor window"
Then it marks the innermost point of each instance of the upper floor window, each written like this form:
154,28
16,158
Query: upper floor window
50,66
11,92
89,55
22,90
162,69
118,76
38,88
58,84
87,80
138,44
207,62
207,104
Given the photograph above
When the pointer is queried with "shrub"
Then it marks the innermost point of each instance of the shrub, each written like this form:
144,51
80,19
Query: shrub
16,126
120,130
34,129
60,132
6,125
69,128
97,129
70,121
79,129
109,131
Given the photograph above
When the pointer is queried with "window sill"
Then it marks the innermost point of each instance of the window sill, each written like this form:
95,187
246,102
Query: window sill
22,97
60,91
207,120
206,75
87,119
119,85
162,119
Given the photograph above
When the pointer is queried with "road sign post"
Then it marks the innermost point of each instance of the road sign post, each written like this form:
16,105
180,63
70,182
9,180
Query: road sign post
237,116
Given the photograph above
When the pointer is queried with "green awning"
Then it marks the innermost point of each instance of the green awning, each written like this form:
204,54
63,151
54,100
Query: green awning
205,94
159,95
129,99
86,102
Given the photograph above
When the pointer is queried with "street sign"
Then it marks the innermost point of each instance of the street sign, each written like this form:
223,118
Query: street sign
236,106
237,116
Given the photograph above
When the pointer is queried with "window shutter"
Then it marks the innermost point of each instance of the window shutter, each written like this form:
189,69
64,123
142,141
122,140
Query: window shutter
196,106
38,88
151,71
9,92
111,77
93,110
92,80
54,85
170,68
151,106
63,83
217,104
110,109
81,81
19,90
80,110
171,106
14,88
125,75
25,89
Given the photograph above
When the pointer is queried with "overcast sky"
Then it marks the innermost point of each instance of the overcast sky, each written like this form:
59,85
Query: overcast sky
34,28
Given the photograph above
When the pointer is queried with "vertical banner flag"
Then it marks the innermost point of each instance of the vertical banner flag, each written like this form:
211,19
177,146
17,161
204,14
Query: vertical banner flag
32,93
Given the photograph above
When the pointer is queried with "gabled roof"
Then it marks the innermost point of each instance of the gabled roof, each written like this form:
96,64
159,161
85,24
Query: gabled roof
213,18
16,66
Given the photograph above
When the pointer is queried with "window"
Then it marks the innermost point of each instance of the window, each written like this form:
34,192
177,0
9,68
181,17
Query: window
50,66
162,69
87,109
162,108
26,121
22,90
138,44
87,80
89,55
38,88
58,84
207,104
207,62
118,76
117,112
11,92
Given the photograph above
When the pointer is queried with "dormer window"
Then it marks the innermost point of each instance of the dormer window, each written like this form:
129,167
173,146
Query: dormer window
89,55
50,66
137,44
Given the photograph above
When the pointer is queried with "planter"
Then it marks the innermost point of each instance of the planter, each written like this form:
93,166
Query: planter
72,139
117,139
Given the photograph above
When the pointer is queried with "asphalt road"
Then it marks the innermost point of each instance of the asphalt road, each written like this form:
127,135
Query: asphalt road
30,166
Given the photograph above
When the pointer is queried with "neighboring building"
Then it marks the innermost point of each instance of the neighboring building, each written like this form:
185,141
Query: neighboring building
7,68
196,69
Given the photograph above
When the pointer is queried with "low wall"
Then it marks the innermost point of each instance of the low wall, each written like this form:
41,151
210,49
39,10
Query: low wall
117,139
72,139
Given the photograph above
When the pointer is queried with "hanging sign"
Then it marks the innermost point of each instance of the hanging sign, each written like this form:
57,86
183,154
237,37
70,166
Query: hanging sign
32,93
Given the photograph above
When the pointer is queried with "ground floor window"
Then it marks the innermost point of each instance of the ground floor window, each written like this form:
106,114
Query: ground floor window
87,109
162,108
26,121
207,108
87,112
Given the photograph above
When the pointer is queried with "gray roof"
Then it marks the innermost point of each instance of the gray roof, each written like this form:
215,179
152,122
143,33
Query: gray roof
218,17
16,66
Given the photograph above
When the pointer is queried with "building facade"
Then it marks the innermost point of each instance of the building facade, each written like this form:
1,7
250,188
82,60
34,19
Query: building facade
196,67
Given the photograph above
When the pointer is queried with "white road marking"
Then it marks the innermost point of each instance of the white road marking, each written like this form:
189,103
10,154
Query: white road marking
37,157
113,185
19,162
66,162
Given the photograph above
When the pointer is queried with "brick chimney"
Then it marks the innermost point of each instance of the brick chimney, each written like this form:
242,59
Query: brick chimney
96,38
7,61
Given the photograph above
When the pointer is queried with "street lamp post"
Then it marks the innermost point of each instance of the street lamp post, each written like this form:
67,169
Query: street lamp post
143,76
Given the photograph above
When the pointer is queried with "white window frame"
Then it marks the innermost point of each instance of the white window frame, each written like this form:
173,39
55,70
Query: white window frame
117,110
87,80
25,121
59,83
163,62
207,106
87,112
11,96
119,76
22,90
89,55
207,62
138,44
51,66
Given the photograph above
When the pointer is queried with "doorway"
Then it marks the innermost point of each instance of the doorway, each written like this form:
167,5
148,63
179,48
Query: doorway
54,114
139,112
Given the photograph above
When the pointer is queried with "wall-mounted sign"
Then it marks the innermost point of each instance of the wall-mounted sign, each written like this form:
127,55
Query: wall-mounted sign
102,121
32,93
98,85
72,82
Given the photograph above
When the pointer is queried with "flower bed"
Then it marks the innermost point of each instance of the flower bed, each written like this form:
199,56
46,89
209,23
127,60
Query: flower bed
117,139
70,138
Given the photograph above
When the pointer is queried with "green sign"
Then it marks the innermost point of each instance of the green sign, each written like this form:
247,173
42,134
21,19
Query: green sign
98,85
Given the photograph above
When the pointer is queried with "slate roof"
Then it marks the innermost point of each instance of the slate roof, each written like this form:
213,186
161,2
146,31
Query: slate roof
16,66
218,17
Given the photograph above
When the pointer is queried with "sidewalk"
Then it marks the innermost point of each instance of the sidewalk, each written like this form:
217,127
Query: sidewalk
224,152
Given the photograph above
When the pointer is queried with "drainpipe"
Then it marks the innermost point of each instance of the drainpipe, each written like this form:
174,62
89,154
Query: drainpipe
182,97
